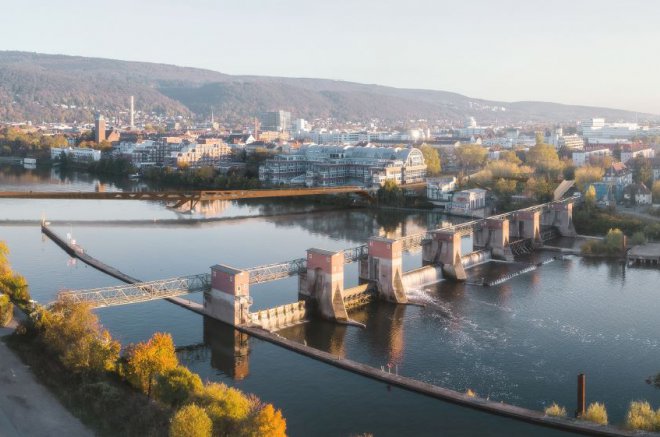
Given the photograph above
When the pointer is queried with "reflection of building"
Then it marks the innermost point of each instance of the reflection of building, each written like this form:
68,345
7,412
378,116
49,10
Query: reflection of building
315,165
230,348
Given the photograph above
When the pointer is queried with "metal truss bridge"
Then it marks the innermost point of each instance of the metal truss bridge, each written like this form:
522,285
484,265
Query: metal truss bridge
140,291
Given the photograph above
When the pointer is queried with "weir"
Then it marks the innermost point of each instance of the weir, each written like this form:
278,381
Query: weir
228,298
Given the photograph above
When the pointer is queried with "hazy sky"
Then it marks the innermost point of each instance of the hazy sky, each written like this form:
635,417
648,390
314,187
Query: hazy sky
588,52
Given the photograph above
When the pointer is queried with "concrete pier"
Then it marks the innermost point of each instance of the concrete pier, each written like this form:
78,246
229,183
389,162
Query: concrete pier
385,267
229,297
324,283
444,249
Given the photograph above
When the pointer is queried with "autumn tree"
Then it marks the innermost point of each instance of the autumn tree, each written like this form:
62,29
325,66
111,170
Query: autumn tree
544,158
587,175
656,192
175,386
73,332
510,156
268,422
471,156
191,421
432,160
590,198
227,407
147,360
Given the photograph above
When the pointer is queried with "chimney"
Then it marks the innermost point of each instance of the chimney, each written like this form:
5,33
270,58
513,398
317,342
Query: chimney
132,113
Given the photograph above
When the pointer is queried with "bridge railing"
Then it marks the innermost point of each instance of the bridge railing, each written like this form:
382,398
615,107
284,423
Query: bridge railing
139,292
272,272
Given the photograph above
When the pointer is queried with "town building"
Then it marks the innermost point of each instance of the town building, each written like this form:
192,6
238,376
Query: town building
630,152
584,157
469,200
276,121
76,154
200,155
316,165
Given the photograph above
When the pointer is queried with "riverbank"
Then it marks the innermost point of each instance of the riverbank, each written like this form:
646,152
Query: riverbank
28,408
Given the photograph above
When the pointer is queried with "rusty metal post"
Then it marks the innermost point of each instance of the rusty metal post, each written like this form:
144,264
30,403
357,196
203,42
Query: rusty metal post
581,395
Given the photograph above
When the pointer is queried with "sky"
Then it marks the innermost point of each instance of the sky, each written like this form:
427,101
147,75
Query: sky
588,52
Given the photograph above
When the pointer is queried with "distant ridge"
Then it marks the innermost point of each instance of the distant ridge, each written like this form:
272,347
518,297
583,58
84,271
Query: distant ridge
54,88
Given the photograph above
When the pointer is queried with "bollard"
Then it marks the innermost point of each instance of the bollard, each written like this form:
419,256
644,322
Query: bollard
581,395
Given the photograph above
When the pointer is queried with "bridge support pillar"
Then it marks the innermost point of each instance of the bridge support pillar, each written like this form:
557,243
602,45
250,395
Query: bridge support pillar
444,248
229,298
529,226
563,219
495,234
385,267
324,283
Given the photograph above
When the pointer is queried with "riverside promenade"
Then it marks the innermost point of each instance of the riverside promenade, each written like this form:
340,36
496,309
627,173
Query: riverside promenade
27,408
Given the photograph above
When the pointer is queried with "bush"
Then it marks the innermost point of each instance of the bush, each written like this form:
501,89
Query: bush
227,407
73,332
176,386
191,421
6,310
16,287
638,238
641,416
268,422
555,410
596,413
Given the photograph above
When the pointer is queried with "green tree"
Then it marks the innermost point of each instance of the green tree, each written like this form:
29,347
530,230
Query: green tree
175,386
656,192
642,170
191,421
147,360
390,194
432,160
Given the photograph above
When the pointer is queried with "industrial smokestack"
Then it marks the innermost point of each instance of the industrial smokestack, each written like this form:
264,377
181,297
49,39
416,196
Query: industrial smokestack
132,113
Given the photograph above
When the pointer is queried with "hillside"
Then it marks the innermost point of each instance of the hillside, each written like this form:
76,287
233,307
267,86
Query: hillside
68,88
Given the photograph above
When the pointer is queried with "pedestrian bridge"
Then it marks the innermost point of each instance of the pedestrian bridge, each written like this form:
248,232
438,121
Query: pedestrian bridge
140,291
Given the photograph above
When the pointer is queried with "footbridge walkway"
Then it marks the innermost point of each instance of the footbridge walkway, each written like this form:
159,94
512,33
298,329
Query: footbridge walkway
180,198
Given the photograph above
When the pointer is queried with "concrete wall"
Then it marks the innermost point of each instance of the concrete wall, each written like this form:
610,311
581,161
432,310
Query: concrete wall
280,317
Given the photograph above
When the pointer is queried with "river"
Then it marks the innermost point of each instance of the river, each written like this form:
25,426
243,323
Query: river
521,342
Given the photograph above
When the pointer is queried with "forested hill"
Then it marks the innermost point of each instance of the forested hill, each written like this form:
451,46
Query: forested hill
41,87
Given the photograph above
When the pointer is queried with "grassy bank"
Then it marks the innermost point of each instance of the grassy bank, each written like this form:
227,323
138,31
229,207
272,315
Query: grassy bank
103,402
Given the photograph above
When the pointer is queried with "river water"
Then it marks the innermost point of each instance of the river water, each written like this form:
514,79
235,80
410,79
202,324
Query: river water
521,342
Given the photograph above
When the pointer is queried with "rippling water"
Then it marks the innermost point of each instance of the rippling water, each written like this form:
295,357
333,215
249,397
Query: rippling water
523,341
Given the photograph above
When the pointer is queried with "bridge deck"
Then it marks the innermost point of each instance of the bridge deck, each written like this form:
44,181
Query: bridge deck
181,195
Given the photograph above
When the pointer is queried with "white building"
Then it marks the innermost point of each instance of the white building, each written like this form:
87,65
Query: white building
77,154
584,157
566,142
469,200
598,128
627,155
201,155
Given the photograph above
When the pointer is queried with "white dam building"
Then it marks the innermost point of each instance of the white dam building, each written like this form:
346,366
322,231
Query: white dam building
328,166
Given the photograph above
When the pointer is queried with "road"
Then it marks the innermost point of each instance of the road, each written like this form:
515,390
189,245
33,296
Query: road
641,215
27,408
